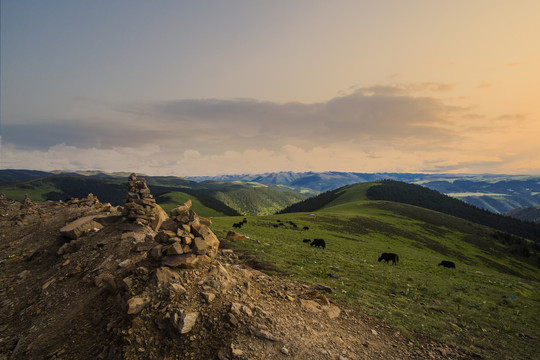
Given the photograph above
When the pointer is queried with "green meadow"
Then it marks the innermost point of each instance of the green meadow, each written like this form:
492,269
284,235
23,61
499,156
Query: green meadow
488,305
172,199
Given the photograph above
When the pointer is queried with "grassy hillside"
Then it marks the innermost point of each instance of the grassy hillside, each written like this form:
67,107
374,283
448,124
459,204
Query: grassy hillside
225,198
170,200
488,304
417,195
258,200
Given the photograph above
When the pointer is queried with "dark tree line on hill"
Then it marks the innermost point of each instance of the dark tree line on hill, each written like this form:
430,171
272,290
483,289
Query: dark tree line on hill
79,187
417,195
391,190
313,203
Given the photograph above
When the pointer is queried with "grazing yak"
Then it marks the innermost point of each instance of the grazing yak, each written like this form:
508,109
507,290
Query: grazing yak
318,243
389,257
275,225
306,240
244,221
447,264
237,225
305,228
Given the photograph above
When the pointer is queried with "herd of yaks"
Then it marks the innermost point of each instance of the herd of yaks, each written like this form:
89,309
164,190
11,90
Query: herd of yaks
387,257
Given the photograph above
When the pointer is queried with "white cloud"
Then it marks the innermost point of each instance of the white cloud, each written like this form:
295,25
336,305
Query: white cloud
381,128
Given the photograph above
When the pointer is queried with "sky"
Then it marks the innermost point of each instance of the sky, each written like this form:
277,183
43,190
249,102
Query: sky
190,88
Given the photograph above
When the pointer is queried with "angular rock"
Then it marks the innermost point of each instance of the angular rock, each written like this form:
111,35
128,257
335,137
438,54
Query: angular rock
311,306
182,261
178,289
185,321
208,296
174,249
199,246
156,251
136,304
163,276
80,227
264,334
160,217
332,311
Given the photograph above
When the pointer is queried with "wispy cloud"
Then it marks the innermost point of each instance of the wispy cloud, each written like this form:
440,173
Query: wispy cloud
377,128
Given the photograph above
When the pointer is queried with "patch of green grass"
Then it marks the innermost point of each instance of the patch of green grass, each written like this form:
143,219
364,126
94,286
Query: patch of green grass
481,306
172,199
36,190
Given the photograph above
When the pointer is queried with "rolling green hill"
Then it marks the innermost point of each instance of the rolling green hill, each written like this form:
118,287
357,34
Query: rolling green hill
417,195
488,304
170,200
224,198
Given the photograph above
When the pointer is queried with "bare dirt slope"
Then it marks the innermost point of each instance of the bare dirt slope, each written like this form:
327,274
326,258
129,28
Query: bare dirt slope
104,297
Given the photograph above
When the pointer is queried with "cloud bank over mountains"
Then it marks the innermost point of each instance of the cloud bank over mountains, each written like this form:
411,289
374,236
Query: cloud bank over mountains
405,127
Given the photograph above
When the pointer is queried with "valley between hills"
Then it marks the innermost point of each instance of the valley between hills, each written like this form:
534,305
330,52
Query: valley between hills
114,291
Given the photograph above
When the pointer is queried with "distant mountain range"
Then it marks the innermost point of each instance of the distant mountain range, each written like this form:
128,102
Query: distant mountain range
496,193
528,213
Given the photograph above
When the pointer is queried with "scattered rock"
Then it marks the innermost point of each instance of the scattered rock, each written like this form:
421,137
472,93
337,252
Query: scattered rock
185,321
136,304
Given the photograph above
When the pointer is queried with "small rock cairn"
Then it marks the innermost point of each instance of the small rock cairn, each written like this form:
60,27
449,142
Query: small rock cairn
27,205
90,200
141,206
185,239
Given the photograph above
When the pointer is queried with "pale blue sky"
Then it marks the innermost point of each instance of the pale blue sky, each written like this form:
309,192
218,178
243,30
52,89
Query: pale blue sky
209,87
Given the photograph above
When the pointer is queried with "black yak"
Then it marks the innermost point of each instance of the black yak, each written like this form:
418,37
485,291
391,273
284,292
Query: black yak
305,228
318,243
389,257
306,240
238,225
244,221
447,264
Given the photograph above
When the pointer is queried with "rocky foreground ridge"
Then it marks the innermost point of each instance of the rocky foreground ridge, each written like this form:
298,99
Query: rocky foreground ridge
85,280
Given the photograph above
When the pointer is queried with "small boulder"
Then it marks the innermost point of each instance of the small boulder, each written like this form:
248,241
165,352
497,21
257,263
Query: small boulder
136,304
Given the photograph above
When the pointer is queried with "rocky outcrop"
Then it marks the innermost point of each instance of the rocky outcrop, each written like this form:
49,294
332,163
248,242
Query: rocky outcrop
141,207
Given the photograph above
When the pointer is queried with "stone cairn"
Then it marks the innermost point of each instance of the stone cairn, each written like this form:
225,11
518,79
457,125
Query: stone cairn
90,200
27,204
141,206
185,239
27,211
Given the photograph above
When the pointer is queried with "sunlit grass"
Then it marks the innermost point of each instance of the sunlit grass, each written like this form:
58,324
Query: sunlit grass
475,306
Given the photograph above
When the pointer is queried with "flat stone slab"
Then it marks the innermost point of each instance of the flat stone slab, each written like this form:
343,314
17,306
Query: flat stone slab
80,227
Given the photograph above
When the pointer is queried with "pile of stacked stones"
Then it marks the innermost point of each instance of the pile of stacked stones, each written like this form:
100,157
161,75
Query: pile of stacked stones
185,239
27,204
141,206
90,200
26,211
